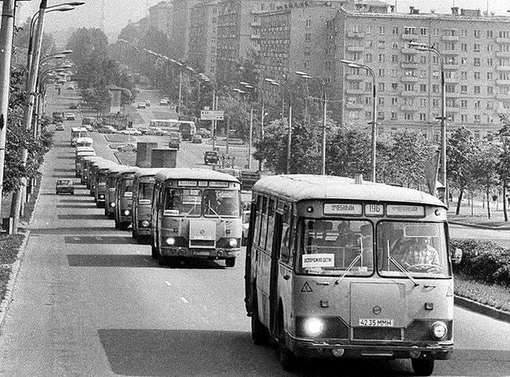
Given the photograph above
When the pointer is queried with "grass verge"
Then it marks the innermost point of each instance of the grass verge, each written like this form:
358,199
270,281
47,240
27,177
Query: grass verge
495,296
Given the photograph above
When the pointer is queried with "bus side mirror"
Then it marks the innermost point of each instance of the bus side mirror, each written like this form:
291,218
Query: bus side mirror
457,256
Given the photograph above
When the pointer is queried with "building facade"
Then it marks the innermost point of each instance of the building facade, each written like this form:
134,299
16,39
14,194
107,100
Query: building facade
202,37
160,17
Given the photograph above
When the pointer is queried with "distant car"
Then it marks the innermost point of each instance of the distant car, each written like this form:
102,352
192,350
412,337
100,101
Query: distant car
211,157
164,102
196,139
156,131
70,116
64,186
131,131
127,148
59,127
205,133
70,87
141,105
73,106
147,103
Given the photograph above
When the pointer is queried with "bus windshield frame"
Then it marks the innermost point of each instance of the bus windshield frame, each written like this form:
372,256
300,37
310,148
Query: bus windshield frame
202,202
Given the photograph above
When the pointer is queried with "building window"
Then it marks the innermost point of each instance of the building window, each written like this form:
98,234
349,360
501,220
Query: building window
463,75
369,29
423,102
489,33
463,103
368,58
408,116
381,72
382,30
394,87
423,116
463,89
381,101
476,62
435,102
381,87
394,58
463,47
308,23
394,30
489,76
476,47
409,30
423,87
394,101
394,116
381,58
308,37
435,88
489,62
490,48
423,31
476,33
476,75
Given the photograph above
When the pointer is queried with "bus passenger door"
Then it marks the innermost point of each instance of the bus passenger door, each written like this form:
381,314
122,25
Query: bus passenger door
273,288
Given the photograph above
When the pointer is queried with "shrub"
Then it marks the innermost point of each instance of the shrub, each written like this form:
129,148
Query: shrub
484,261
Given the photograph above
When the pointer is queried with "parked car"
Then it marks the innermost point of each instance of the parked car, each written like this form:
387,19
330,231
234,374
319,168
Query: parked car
141,105
73,106
156,131
211,157
64,186
127,148
131,131
70,116
196,139
59,127
70,87
147,103
164,102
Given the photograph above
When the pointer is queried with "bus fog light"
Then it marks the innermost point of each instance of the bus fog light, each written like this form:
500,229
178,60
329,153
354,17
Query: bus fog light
112,204
232,242
439,330
414,354
127,212
313,326
170,241
337,352
101,196
145,224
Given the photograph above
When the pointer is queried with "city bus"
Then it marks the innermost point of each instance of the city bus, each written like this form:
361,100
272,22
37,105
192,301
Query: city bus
77,132
143,185
174,125
111,183
196,213
124,197
101,178
86,166
78,161
341,268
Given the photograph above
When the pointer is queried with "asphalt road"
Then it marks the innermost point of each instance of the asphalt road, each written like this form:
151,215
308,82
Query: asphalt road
89,301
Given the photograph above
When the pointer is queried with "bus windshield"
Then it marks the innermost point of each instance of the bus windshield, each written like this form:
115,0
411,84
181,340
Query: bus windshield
145,192
126,188
337,247
414,248
209,202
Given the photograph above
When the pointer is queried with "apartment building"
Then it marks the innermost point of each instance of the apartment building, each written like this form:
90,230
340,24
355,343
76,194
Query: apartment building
473,53
202,37
160,17
181,19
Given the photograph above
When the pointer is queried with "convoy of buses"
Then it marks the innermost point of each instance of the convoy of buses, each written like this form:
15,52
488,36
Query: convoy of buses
335,267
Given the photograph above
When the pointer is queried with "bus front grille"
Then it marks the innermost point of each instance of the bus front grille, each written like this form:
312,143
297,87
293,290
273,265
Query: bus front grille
376,333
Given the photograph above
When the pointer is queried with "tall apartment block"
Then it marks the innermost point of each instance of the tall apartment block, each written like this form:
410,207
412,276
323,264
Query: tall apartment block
474,47
202,37
160,17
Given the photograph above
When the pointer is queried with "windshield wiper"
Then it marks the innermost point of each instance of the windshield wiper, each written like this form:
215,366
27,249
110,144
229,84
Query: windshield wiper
399,266
219,217
358,257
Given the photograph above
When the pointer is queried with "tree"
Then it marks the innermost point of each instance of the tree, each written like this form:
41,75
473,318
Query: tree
348,153
485,170
460,151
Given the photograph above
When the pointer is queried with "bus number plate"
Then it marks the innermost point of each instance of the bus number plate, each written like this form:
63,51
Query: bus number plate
373,322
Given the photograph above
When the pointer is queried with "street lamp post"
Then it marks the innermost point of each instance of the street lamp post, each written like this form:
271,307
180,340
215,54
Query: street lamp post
442,118
250,133
324,118
373,123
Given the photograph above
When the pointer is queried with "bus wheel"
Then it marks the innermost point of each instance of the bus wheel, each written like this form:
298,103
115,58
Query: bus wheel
154,248
230,262
287,358
134,234
259,332
422,367
117,224
123,226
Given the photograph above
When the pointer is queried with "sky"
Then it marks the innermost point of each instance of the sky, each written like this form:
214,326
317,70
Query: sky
120,12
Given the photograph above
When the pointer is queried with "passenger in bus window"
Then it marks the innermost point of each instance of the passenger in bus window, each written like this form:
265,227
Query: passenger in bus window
420,253
346,237
227,207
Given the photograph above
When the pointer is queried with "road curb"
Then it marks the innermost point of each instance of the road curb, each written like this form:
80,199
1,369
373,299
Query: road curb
479,226
482,309
15,268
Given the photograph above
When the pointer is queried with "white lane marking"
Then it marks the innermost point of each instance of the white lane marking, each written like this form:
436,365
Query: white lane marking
168,283
184,300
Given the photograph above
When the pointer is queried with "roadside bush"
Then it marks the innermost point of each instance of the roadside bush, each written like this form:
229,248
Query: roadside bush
483,261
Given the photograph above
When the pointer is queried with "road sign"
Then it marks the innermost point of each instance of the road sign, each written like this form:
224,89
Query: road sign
211,114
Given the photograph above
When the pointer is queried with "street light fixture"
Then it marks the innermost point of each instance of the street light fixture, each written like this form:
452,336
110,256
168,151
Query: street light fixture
442,118
353,64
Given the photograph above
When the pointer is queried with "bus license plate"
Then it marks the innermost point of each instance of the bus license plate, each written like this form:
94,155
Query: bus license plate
379,322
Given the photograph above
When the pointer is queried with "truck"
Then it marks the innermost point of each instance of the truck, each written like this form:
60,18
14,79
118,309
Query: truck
175,140
187,130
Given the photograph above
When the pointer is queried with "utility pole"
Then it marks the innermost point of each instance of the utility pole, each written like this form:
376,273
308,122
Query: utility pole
6,34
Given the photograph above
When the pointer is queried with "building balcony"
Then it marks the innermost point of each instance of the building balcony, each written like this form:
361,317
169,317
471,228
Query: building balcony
409,65
503,97
502,82
357,92
409,37
451,80
255,36
355,48
450,38
452,109
409,79
450,52
354,106
408,93
355,34
503,68
503,54
502,40
451,67
408,108
408,51
354,78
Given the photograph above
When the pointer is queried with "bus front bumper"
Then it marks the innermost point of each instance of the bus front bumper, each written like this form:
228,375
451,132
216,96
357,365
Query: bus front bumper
387,350
199,253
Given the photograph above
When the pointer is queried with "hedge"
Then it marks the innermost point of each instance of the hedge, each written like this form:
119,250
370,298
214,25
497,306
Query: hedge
484,261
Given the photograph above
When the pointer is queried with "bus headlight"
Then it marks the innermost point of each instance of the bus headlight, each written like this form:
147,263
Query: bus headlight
145,224
313,326
112,204
170,241
127,212
232,242
101,196
439,330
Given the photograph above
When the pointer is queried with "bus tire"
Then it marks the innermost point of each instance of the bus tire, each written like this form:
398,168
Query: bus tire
134,235
422,367
230,262
287,358
154,248
123,225
117,224
259,332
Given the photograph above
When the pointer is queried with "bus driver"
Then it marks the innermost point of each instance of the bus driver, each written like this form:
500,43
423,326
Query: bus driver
420,253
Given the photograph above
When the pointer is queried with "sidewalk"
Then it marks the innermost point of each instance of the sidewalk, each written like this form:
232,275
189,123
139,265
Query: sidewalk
476,215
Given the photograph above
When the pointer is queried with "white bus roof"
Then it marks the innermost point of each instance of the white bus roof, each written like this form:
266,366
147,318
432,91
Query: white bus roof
297,187
193,173
79,129
144,172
